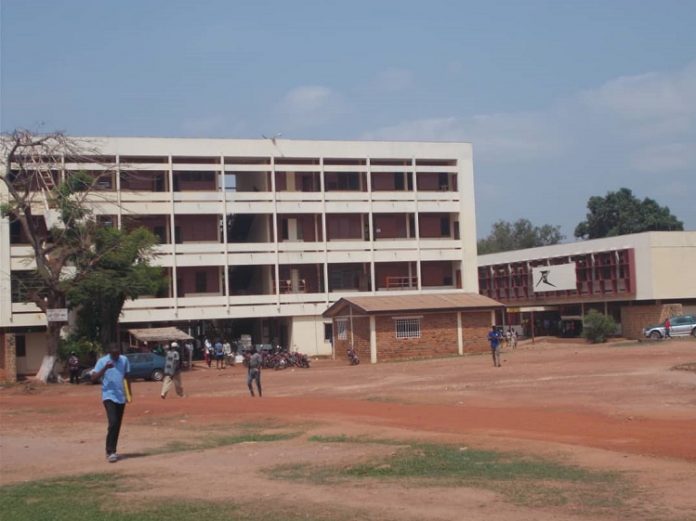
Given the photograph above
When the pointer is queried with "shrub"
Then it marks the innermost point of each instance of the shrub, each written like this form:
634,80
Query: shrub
86,351
596,327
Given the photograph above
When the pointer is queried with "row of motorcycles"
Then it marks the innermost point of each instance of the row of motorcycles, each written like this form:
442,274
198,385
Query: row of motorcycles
279,359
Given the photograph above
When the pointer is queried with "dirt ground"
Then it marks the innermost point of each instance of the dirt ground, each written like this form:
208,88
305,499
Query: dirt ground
618,406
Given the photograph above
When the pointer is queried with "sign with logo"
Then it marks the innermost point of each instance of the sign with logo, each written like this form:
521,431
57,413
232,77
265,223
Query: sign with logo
57,315
554,278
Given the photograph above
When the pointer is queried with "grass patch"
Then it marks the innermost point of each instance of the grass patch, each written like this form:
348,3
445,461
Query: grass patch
520,479
212,442
103,497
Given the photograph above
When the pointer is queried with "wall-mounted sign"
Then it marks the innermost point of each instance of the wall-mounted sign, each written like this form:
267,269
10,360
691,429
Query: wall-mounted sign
57,315
554,278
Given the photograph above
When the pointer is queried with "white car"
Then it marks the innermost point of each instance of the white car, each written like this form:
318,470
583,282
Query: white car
684,325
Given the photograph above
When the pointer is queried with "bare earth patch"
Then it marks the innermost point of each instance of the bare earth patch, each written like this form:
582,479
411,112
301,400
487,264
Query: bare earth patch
605,408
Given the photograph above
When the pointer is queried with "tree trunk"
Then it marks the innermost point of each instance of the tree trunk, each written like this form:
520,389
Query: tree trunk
47,371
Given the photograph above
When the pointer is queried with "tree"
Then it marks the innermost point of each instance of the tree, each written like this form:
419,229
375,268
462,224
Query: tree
52,207
596,327
121,272
506,236
621,213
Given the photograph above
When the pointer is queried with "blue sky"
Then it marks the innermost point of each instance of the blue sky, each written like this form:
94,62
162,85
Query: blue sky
561,99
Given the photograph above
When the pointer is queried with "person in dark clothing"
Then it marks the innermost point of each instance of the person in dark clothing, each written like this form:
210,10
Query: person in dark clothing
112,370
494,339
74,368
254,372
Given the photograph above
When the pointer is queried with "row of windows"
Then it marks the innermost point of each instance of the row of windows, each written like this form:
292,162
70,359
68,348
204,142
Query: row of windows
403,328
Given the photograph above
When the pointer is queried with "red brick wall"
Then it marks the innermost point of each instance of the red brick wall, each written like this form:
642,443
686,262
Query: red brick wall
438,337
198,228
475,328
361,339
635,318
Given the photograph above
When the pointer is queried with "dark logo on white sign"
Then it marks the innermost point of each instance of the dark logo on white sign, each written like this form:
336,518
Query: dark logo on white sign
544,278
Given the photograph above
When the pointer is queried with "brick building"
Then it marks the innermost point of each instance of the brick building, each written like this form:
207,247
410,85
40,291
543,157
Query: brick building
638,279
395,327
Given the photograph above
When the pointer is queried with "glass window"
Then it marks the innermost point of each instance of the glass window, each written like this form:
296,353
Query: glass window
342,328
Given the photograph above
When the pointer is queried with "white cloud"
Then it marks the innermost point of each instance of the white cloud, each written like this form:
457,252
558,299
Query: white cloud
647,96
310,105
643,122
504,137
638,132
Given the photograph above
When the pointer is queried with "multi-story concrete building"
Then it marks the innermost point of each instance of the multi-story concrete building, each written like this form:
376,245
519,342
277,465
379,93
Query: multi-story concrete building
638,279
260,236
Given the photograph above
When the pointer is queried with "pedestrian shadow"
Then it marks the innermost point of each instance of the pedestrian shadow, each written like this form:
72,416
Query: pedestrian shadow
133,455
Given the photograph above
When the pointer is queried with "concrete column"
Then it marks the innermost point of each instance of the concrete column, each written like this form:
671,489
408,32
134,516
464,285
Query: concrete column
460,333
373,340
10,352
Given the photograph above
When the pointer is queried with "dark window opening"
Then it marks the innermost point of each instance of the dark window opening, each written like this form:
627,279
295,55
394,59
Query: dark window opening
20,346
201,282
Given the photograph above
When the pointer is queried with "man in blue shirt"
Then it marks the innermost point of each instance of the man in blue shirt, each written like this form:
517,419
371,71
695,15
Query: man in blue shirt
112,369
219,355
494,339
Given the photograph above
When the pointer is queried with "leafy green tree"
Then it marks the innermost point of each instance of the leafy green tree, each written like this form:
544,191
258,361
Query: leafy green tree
506,236
51,206
596,327
621,213
119,270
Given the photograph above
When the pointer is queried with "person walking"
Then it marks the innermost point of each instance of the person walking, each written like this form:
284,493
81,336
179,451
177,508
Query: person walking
227,351
208,352
494,339
254,371
74,368
668,326
513,337
112,370
172,371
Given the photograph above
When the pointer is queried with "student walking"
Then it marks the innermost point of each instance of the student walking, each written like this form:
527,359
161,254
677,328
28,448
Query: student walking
254,371
494,339
112,369
172,371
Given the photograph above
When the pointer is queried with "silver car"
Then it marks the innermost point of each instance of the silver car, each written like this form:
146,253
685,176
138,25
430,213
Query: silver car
684,325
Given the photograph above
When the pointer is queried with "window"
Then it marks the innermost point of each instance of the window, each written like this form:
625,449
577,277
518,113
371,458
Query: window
407,327
342,328
20,346
328,332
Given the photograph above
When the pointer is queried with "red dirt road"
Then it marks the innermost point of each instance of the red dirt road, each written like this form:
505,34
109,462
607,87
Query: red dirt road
624,399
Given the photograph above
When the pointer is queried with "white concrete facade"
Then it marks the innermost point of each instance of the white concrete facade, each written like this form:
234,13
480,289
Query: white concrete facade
664,261
278,188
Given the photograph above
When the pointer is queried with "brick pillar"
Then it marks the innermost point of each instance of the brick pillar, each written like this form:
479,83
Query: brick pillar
10,357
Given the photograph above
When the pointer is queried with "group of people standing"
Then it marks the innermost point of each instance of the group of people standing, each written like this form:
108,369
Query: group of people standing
222,353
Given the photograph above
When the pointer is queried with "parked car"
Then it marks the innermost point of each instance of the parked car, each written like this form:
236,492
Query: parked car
684,325
149,366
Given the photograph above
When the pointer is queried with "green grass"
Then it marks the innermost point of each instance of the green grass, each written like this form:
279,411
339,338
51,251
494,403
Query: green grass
520,479
211,442
104,497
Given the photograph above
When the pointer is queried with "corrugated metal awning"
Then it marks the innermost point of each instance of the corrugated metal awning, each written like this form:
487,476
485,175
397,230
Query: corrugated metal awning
422,302
159,334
